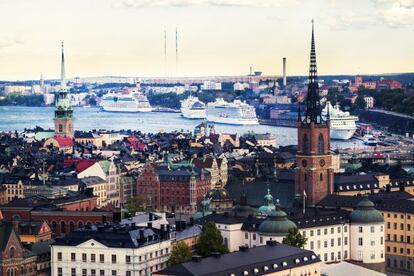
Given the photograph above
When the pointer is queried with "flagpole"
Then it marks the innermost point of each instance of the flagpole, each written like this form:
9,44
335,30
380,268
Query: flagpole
304,202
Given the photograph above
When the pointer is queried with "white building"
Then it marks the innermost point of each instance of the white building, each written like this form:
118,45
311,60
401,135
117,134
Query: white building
239,86
211,85
334,235
369,102
105,250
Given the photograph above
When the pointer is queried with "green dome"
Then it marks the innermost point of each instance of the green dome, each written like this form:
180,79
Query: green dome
269,206
365,212
276,224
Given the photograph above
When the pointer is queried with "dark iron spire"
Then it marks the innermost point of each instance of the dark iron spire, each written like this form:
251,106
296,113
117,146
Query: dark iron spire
313,106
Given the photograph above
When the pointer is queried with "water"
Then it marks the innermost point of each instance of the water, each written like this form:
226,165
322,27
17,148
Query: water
21,117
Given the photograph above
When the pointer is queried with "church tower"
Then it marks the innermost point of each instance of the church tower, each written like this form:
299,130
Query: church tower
314,174
63,110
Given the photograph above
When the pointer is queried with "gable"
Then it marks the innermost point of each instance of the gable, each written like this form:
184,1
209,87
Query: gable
91,243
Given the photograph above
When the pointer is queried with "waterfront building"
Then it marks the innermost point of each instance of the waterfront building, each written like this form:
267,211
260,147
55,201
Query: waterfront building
314,174
111,250
270,259
63,110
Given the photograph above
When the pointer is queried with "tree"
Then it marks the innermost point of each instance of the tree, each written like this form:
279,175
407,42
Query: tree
360,102
136,204
180,253
210,241
295,238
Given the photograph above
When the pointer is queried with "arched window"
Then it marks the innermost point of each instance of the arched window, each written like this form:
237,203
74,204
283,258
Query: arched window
305,144
12,252
62,227
321,176
54,224
80,224
60,128
321,144
71,226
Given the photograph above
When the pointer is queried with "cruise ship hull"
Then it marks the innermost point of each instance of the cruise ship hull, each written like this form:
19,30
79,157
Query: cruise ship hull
193,113
230,121
126,109
342,134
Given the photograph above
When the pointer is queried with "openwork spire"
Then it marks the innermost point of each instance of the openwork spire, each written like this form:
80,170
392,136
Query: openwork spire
313,106
62,68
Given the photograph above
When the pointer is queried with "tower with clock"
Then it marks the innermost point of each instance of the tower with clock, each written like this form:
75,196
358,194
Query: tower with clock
314,173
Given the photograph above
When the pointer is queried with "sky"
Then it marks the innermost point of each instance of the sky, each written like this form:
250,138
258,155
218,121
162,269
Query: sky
215,37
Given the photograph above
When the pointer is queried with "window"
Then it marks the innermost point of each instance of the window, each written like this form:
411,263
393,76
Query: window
332,230
73,257
345,240
382,240
360,243
325,231
325,244
93,272
254,236
59,256
395,226
113,260
321,144
84,273
339,255
311,245
345,228
246,235
388,249
339,229
408,251
261,239
388,237
401,226
325,257
408,227
318,232
360,229
311,233
319,244
332,242
101,272
388,225
113,273
401,250
372,255
60,272
305,144
84,257
332,256
401,238
345,254
101,258
339,241
11,252
128,273
372,229
73,272
92,258
394,249
373,243
128,259
321,177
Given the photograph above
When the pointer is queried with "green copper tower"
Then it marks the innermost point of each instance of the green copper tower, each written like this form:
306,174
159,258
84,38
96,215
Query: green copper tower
63,110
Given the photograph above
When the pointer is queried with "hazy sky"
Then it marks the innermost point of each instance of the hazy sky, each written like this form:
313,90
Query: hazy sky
216,37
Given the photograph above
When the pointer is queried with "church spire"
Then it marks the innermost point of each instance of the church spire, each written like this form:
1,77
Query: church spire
313,107
62,68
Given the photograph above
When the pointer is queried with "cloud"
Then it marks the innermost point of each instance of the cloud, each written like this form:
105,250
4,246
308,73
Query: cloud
400,14
205,3
6,42
351,20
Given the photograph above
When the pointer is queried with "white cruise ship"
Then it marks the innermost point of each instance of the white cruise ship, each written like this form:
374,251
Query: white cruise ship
342,124
193,108
235,113
135,102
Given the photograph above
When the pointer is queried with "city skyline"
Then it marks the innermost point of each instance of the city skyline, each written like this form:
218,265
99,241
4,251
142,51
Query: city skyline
126,38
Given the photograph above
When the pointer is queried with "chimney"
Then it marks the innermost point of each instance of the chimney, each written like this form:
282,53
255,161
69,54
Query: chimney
284,72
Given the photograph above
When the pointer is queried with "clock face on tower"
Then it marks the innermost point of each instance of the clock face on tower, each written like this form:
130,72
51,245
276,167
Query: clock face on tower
322,162
304,163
